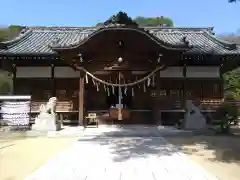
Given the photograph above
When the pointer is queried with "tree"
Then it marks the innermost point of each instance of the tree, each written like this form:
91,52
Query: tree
3,35
9,32
150,21
154,21
232,84
6,83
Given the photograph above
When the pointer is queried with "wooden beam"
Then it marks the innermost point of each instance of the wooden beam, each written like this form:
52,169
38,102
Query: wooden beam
81,101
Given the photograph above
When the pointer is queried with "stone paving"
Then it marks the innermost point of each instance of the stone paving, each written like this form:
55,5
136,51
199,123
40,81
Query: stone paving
105,156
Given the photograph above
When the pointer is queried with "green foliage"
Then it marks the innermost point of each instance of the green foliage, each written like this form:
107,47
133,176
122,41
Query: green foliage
154,21
6,84
121,18
15,28
10,32
150,21
3,35
232,84
227,108
227,113
5,88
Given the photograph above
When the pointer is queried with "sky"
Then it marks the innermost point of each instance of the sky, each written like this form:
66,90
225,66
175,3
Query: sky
221,15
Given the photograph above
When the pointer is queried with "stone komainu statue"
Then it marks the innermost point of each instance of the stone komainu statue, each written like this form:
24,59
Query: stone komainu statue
49,107
47,119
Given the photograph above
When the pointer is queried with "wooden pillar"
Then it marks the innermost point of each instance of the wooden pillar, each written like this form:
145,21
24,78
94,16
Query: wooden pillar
221,88
202,91
14,71
53,84
157,112
81,101
184,85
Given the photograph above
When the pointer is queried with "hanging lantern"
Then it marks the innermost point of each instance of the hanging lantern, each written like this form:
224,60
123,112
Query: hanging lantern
120,59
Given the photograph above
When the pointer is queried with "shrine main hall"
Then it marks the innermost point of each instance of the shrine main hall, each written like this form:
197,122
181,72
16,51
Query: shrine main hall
148,73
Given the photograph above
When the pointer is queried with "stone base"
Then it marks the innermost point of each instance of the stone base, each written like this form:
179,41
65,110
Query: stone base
46,122
195,123
194,119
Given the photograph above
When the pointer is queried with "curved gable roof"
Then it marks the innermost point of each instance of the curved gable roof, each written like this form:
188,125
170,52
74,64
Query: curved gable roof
40,40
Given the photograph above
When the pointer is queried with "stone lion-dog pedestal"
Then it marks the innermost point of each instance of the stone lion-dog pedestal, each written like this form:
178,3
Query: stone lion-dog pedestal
47,119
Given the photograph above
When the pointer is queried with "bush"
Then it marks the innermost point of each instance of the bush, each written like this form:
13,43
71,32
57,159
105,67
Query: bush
228,109
227,113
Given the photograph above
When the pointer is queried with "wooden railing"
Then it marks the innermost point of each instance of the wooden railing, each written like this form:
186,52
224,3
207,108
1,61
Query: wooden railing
68,106
211,103
177,104
62,106
35,106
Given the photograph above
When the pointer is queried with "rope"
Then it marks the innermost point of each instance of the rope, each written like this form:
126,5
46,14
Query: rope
120,85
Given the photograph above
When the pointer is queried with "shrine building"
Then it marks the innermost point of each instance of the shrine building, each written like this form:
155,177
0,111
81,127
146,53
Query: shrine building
148,72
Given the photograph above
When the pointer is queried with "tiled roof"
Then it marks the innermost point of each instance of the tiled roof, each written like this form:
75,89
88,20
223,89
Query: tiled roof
233,39
40,40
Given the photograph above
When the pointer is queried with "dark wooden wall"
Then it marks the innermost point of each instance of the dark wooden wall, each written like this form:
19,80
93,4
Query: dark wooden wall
170,90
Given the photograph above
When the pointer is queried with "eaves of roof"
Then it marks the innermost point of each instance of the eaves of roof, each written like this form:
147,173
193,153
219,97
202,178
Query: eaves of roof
41,40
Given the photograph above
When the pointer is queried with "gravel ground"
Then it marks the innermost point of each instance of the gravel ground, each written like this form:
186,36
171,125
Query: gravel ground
217,154
19,155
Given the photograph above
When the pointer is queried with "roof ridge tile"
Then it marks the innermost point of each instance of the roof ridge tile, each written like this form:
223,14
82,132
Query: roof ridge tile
224,44
56,28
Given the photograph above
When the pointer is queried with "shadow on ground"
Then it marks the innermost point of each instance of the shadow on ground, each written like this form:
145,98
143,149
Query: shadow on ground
124,146
224,148
212,147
